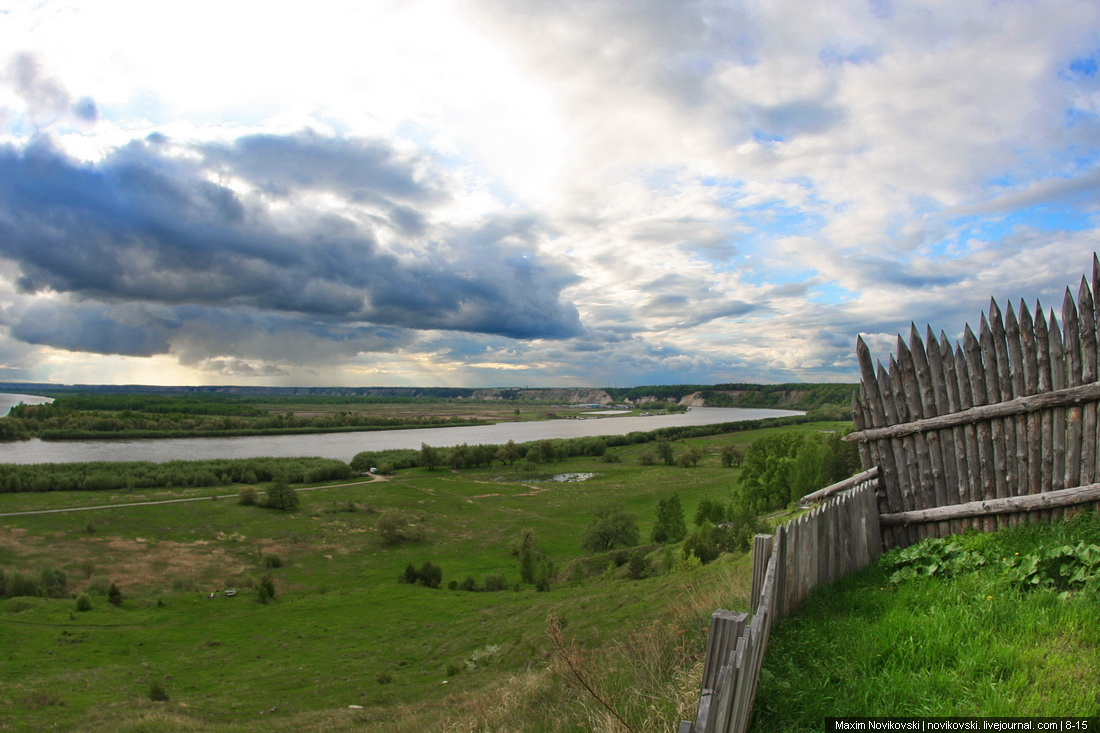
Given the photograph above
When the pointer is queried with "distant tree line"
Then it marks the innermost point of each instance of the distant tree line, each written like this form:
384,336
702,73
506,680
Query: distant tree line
83,417
108,476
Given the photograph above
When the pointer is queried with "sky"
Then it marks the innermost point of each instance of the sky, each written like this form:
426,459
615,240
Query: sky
504,193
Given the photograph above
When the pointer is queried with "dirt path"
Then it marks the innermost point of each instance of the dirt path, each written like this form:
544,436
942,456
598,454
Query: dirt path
174,501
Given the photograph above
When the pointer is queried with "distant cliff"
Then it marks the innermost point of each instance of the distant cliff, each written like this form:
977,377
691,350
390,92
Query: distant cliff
779,396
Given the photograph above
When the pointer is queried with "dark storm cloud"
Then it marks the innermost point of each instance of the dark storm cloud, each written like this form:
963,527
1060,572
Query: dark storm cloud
197,334
148,225
359,171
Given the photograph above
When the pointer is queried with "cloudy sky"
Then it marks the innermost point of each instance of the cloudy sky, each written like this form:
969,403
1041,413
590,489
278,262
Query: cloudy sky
525,192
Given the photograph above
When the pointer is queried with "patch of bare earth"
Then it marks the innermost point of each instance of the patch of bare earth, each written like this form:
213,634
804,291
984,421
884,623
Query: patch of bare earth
128,562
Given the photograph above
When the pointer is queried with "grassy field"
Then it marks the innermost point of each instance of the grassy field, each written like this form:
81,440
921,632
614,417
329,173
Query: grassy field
968,630
342,631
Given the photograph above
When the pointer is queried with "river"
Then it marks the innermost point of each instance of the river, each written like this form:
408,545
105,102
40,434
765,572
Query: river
344,446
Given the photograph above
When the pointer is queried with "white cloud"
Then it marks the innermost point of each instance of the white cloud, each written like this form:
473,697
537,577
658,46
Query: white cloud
722,190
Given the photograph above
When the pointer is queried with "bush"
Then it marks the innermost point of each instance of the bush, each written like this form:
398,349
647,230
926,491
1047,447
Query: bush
395,526
429,574
494,582
248,496
702,543
611,528
267,584
670,526
272,561
157,691
281,496
114,595
83,602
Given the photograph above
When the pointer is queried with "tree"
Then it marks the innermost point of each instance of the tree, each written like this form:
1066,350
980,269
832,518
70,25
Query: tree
114,595
710,511
431,575
281,496
458,456
733,454
691,456
670,526
508,453
611,528
666,452
429,457
702,543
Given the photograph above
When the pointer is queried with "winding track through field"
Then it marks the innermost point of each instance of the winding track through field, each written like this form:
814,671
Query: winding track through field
173,501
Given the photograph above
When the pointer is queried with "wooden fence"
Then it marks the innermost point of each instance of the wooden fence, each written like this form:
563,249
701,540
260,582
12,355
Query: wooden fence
1000,429
835,538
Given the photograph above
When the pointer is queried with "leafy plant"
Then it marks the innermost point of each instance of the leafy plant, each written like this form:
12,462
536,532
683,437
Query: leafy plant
1065,567
939,556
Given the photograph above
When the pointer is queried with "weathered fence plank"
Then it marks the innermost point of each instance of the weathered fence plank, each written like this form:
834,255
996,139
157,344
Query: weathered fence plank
1026,503
1057,381
838,536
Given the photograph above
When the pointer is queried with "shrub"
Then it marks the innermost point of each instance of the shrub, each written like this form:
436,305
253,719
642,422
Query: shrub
281,496
395,526
272,561
670,526
429,574
702,544
114,595
157,691
248,496
611,528
83,602
266,583
494,582
638,566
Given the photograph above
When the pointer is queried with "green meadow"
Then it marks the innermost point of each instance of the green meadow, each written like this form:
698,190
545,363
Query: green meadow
343,644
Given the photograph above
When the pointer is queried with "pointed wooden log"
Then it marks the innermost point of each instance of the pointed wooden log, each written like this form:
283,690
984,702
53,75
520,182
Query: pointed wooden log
897,468
1057,381
912,466
1087,329
966,400
928,444
999,462
1072,346
960,489
1031,387
1005,463
978,386
1019,445
1042,341
949,442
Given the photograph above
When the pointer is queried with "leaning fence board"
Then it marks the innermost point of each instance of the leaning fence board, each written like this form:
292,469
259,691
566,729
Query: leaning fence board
839,486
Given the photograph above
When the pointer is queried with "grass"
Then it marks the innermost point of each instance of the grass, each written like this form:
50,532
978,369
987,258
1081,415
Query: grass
342,631
967,644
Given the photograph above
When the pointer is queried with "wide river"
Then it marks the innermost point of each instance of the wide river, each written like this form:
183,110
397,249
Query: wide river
344,446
